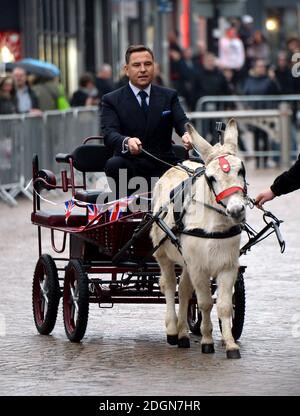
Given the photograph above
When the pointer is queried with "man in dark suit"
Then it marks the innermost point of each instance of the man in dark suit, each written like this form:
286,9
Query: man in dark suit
141,116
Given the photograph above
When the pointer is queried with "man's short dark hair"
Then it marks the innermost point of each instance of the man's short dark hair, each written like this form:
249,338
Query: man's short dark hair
137,48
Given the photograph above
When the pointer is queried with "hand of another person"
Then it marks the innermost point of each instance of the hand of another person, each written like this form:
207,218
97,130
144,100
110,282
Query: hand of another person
187,141
263,197
134,145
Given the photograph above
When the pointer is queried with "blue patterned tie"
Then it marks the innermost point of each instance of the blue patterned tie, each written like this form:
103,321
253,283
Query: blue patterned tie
144,104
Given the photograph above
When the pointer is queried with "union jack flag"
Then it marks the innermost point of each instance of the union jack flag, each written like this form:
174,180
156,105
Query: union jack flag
69,205
119,207
94,211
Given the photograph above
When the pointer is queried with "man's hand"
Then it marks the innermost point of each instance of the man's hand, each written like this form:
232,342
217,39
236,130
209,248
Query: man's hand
263,197
134,145
187,141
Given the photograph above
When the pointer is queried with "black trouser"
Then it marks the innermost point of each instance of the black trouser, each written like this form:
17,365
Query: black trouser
261,143
135,167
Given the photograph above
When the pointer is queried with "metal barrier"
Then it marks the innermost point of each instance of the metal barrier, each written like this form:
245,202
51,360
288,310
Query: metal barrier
55,131
276,122
247,102
23,135
263,101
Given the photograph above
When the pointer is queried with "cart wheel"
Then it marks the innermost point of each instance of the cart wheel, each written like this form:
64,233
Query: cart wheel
194,318
75,301
194,314
45,294
239,304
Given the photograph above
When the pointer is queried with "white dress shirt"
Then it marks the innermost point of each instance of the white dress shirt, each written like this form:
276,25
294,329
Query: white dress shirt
138,97
137,90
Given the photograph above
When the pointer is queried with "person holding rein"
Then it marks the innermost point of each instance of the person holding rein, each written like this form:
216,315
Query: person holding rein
141,115
285,183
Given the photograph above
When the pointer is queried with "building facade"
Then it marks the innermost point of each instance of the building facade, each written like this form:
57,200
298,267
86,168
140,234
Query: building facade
80,35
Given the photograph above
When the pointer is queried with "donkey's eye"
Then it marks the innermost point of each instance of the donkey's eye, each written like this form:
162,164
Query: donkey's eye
212,179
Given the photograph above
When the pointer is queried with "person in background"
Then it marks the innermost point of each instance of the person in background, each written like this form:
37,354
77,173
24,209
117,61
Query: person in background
259,83
231,51
87,94
157,80
7,96
292,46
140,116
104,81
246,30
47,92
258,49
287,84
26,99
282,74
123,79
210,81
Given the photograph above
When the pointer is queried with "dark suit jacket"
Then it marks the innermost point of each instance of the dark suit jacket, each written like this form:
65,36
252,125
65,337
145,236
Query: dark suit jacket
288,181
122,116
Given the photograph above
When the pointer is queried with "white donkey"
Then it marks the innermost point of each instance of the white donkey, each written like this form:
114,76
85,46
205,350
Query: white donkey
208,228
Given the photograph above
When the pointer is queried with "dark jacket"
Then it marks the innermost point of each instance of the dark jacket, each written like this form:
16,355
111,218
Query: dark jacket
7,105
260,85
79,98
288,181
122,116
211,82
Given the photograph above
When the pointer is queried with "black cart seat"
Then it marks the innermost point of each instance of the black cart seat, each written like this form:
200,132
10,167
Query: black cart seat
57,219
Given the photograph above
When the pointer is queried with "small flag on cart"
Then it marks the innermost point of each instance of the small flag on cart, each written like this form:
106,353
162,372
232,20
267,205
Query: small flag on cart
119,208
94,212
69,205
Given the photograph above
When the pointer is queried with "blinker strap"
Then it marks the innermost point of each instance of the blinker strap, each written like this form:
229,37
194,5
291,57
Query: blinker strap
228,192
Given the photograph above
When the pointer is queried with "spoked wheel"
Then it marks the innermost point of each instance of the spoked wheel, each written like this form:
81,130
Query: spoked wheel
45,294
194,317
238,305
75,301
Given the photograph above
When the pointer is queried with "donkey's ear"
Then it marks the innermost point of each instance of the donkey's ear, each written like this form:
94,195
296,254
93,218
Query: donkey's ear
200,144
231,135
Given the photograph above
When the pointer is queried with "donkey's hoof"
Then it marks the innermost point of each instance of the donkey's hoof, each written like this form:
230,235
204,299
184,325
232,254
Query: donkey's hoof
184,343
207,348
234,354
172,339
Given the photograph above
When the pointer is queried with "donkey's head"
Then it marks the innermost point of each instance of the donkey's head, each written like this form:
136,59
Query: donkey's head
225,172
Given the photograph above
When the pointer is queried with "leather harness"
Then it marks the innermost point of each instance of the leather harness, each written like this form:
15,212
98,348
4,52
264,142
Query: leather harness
178,194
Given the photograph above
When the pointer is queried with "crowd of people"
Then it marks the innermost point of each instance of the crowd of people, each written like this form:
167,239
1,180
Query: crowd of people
243,65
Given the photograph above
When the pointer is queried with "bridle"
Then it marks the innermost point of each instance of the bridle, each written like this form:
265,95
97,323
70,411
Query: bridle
226,168
177,195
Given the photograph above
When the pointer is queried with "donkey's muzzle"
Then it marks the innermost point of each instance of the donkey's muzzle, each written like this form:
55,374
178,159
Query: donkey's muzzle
237,213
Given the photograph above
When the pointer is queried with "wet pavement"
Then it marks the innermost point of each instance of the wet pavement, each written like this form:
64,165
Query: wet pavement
124,351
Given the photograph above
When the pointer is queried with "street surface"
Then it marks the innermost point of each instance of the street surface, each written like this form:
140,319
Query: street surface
125,352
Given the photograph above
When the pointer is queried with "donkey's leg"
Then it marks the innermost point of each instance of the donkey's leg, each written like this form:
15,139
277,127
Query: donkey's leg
201,283
167,283
185,292
226,280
